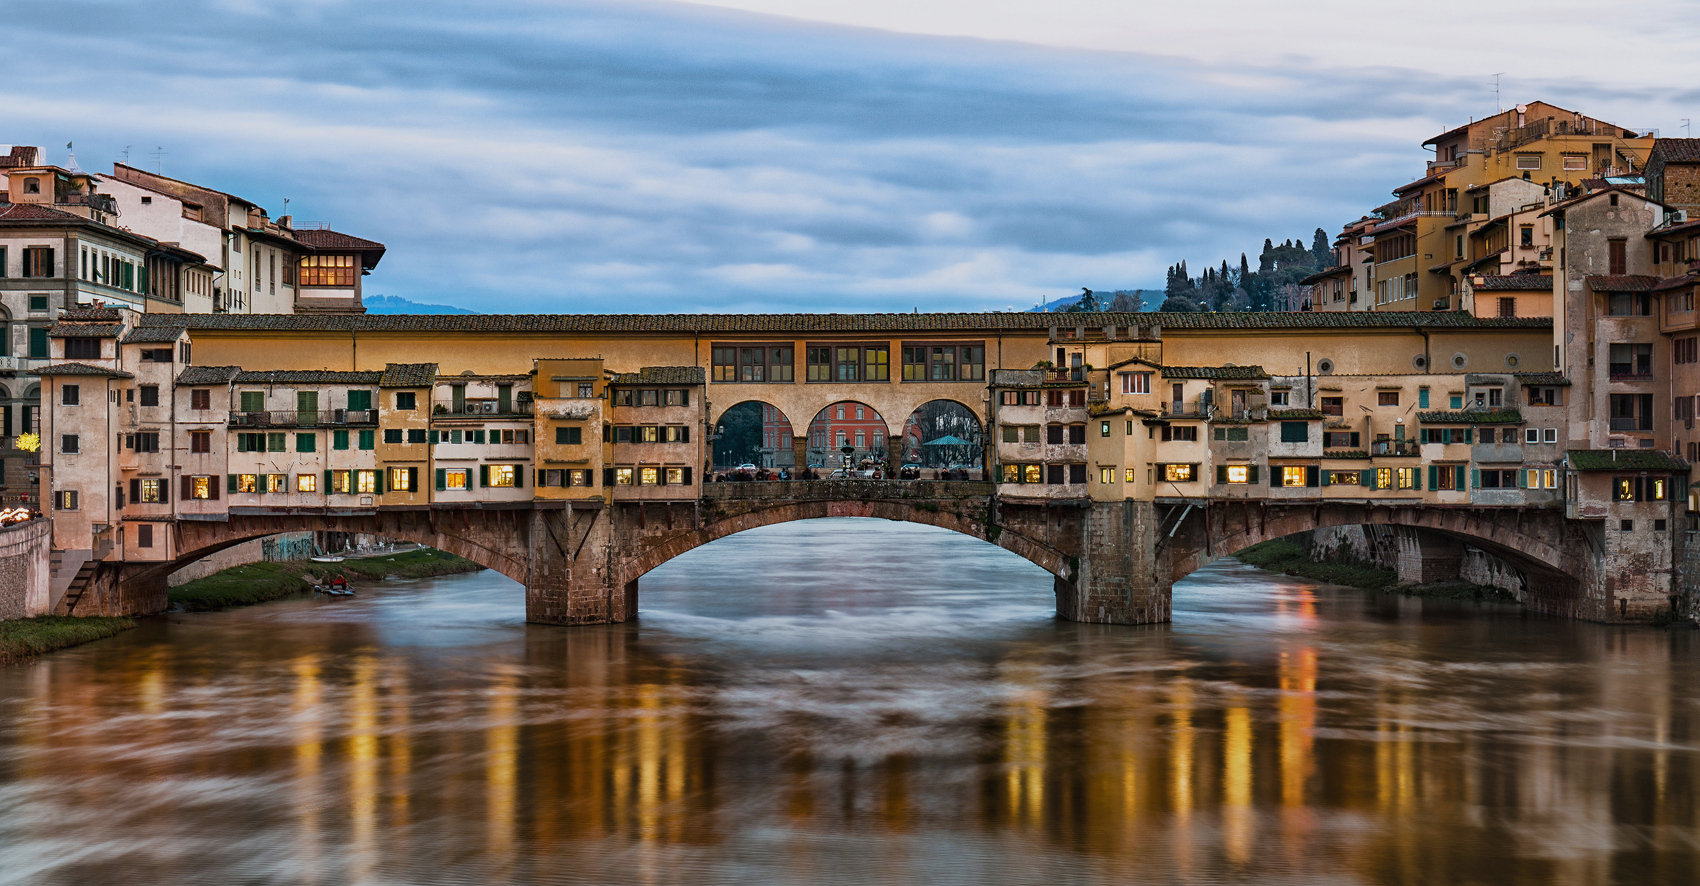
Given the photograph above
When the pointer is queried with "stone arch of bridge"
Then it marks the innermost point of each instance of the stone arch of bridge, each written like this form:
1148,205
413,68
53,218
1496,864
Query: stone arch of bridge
914,434
1537,542
784,432
801,402
1057,562
503,550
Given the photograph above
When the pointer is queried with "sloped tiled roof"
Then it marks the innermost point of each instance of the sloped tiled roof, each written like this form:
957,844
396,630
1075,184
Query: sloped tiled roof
662,375
162,335
408,375
307,377
1227,373
1291,414
1678,150
1624,282
325,238
1472,417
1542,378
85,330
36,212
1515,283
91,314
1625,460
735,324
81,369
208,375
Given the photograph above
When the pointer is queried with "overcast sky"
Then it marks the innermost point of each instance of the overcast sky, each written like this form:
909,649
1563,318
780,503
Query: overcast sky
806,155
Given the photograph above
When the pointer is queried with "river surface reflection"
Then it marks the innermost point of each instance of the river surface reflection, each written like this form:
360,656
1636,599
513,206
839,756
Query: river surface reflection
855,701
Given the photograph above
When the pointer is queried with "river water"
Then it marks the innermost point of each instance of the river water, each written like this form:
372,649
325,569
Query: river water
856,702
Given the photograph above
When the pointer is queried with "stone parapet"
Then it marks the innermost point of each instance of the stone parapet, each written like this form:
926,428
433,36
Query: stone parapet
24,553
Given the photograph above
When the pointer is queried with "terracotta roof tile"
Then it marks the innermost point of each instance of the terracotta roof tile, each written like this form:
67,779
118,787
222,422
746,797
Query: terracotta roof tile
325,238
1625,460
732,325
92,314
162,335
1238,373
85,330
408,375
307,377
81,369
1515,283
208,375
1290,414
1541,378
1678,150
1472,417
1624,283
662,375
36,212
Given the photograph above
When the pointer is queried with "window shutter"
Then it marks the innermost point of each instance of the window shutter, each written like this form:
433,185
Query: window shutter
1313,475
687,476
1253,477
1434,476
1522,479
442,479
1475,478
212,488
186,487
1468,434
1274,475
1458,477
1221,473
135,490
413,479
1417,478
1366,478
382,476
327,487
483,476
685,435
607,476
519,476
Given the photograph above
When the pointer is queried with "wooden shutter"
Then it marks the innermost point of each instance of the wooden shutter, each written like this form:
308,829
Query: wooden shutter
383,474
483,476
608,477
519,476
1253,477
412,479
1434,476
687,476
188,487
442,479
1366,478
212,489
685,435
1475,478
327,488
135,491
1313,475
1221,473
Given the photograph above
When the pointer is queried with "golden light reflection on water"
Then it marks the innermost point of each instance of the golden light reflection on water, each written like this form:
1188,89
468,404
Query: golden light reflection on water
1138,756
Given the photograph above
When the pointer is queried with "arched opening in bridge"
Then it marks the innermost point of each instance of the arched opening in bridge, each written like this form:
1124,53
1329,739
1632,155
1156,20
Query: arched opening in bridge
753,433
848,424
944,435
841,569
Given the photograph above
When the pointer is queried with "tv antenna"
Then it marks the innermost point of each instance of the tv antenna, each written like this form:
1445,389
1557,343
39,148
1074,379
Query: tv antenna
1497,102
1685,130
159,160
127,155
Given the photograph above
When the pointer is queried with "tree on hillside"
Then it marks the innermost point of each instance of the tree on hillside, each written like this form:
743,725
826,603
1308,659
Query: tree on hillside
1319,248
1179,304
1128,301
1088,304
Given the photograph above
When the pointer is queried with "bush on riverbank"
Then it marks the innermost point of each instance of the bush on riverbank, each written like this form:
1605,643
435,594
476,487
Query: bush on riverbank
1292,557
25,638
260,582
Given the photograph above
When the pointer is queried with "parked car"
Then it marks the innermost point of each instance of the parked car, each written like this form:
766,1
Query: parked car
745,467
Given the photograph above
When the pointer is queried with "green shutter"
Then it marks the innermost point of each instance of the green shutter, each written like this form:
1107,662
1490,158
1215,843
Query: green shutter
1313,475
1253,477
1367,478
1458,477
1221,473
38,343
519,476
442,479
1522,479
368,439
327,488
1434,476
1422,398
232,484
1475,478
1469,435
360,400
253,401
339,439
483,476
307,401
383,475
305,442
1274,476
1417,478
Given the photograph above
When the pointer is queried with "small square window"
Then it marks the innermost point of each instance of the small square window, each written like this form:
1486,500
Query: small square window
38,303
1627,525
405,399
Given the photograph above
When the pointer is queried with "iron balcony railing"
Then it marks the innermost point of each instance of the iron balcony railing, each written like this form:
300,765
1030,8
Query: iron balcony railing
448,408
1630,423
308,419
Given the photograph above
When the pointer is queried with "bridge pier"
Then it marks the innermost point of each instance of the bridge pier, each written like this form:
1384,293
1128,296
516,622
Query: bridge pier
1120,576
570,579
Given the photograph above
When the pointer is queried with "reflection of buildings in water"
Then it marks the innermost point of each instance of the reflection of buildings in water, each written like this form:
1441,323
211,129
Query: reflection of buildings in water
362,751
501,767
1024,745
1298,723
1236,783
308,716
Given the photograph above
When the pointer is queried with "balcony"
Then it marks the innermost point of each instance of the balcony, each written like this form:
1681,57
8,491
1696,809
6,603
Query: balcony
1394,448
478,408
1631,423
327,418
1627,372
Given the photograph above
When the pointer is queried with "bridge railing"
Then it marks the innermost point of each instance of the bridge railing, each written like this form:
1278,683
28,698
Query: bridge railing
849,490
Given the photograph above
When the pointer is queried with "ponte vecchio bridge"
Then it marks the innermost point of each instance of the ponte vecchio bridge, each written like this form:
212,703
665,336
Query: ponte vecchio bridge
574,453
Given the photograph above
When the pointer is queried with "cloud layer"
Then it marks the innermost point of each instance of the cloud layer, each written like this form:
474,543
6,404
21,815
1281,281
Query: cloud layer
570,156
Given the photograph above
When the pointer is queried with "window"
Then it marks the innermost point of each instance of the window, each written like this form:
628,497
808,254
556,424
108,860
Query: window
71,395
200,488
748,363
1407,478
1077,434
1280,398
392,435
1239,434
1292,475
1550,435
147,441
277,483
325,270
649,397
1631,360
200,441
622,476
69,443
1106,475
569,436
200,398
366,481
587,390
38,303
1343,478
305,442
1575,161
144,535
406,399
1031,474
416,435
1387,398
944,361
1528,161
306,482
1295,432
649,476
247,483
1640,489
401,479
1683,350
65,500
1334,406
1178,433
1180,473
148,491
82,349
1236,473
38,261
156,355
1136,382
368,439
1526,236
503,475
1340,440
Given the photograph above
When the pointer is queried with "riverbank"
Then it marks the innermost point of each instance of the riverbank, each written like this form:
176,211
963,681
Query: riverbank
25,639
1292,557
260,582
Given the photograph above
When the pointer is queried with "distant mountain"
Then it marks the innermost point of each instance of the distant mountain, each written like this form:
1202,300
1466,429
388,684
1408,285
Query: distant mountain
389,304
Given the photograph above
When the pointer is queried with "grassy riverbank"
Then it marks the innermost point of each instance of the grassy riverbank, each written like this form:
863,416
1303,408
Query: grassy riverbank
1292,557
259,582
26,638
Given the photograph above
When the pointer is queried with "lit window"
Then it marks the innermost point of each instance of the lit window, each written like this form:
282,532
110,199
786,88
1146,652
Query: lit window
675,476
1343,478
1130,476
1384,478
277,482
1177,473
1550,476
1030,474
454,478
401,480
306,483
366,481
622,476
1407,478
1103,429
580,478
247,483
201,487
1293,475
503,475
151,491
649,476
1106,475
1239,473
339,482
1012,473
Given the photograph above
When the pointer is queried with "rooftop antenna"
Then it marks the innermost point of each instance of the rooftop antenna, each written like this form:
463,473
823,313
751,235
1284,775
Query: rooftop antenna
159,160
1685,130
126,155
1497,102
